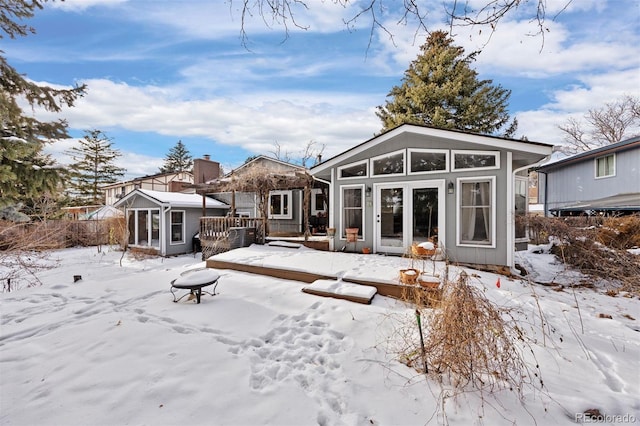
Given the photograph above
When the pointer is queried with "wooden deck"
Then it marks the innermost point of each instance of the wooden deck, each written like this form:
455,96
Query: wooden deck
397,291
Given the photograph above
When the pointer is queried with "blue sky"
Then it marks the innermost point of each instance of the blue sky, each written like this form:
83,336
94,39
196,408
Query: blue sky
159,71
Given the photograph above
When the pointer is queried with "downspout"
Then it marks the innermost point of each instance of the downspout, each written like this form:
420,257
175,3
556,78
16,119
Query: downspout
163,233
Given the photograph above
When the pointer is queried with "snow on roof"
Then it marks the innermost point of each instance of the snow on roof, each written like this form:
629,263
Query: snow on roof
180,199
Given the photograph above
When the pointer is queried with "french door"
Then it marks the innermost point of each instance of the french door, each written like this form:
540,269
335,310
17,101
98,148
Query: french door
408,212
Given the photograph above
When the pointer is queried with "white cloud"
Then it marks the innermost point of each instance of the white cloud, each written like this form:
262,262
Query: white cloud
253,123
81,5
574,102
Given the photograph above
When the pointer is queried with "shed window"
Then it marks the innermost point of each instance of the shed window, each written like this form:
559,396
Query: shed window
177,227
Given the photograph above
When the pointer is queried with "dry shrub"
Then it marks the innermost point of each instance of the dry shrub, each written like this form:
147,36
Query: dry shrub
23,252
469,343
620,232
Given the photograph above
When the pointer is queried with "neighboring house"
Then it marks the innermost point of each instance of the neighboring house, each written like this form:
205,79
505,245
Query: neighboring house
203,170
285,206
166,221
80,212
415,183
105,212
605,180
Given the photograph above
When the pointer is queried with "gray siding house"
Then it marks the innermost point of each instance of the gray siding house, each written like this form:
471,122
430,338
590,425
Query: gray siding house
285,206
166,221
414,183
603,180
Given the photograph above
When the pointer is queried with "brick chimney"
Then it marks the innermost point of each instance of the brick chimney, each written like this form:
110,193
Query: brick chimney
205,170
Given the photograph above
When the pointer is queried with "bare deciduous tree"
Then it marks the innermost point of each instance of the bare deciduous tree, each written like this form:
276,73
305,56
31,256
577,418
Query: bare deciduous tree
288,14
613,122
311,151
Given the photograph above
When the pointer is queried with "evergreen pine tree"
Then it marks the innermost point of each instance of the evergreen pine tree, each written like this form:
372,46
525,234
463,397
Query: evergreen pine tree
177,160
25,171
93,167
440,89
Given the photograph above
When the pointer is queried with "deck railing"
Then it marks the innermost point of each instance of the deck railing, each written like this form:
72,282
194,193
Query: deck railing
214,232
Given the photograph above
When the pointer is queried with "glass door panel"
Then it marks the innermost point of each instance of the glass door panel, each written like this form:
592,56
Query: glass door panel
425,215
390,219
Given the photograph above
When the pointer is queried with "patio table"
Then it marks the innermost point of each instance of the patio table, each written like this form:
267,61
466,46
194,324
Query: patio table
195,281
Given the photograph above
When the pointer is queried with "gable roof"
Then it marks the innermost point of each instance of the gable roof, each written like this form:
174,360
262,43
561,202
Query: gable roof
263,158
172,199
633,142
458,135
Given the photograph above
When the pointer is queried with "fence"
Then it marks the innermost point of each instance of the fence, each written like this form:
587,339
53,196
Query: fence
55,234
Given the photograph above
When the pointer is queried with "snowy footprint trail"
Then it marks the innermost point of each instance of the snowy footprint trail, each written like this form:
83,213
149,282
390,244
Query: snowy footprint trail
302,349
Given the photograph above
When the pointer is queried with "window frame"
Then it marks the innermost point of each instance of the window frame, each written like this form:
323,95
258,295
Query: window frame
361,233
602,157
149,211
357,163
476,179
288,205
183,227
524,180
410,151
455,152
389,154
314,205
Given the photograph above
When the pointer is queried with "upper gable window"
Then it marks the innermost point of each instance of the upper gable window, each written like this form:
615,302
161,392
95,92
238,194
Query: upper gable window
353,170
422,161
606,166
463,160
388,164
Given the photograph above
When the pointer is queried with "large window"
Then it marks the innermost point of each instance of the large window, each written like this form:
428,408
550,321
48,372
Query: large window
352,209
422,161
606,166
388,164
353,170
476,211
486,160
177,227
280,205
144,227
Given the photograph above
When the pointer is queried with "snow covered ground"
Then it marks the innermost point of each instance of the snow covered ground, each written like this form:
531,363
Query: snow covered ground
113,349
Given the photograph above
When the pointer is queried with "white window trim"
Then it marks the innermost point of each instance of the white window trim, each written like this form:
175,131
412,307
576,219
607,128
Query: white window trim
468,152
357,163
595,166
149,210
184,225
459,182
314,207
342,227
433,151
289,214
389,154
